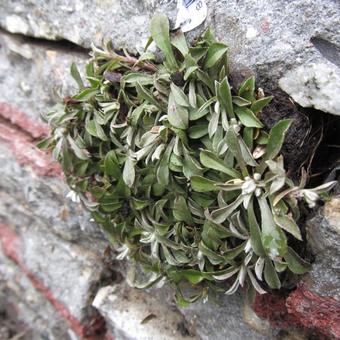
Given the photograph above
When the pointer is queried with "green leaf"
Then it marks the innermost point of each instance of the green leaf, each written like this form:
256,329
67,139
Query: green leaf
255,232
211,161
215,53
139,204
235,148
129,172
247,89
179,96
141,78
202,184
270,275
247,117
146,56
44,143
76,76
239,101
273,239
225,98
86,94
181,211
221,214
295,263
94,129
191,167
137,114
178,40
146,95
213,124
178,116
276,138
289,225
206,79
213,257
191,275
111,165
80,153
202,111
198,131
163,167
258,105
190,71
159,28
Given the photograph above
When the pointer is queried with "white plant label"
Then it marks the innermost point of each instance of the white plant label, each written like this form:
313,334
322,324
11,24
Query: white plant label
191,13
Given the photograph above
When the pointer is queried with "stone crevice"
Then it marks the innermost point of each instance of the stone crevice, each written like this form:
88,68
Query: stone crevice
62,45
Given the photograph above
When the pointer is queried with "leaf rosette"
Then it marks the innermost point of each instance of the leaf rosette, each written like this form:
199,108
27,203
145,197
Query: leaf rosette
177,167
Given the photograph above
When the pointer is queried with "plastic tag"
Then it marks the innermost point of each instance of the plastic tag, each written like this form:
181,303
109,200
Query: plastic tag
191,13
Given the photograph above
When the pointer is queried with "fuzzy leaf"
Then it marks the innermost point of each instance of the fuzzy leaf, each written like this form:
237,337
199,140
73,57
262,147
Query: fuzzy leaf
198,131
295,263
273,239
85,94
255,232
258,105
225,98
178,116
271,276
76,76
215,53
211,161
179,96
141,78
247,117
111,166
221,214
181,211
289,225
178,40
201,184
159,28
247,89
129,172
276,138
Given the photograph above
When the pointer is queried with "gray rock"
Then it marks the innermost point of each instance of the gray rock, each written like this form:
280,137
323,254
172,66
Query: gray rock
270,38
314,85
125,308
138,315
280,40
31,200
70,271
223,318
34,315
323,232
35,76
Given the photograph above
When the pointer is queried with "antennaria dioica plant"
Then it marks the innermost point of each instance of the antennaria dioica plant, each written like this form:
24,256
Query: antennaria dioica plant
178,168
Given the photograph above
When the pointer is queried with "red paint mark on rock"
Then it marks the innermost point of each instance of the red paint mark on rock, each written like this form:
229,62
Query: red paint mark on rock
27,153
20,119
318,313
265,26
20,132
11,243
272,307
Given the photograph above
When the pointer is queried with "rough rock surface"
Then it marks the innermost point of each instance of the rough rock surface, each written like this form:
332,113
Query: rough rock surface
314,85
52,265
137,315
323,232
270,37
315,304
54,279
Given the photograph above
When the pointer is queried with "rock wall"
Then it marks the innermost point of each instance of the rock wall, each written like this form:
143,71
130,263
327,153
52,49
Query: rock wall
57,277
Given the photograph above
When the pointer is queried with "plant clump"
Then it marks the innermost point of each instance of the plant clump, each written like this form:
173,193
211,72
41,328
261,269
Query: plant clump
178,169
